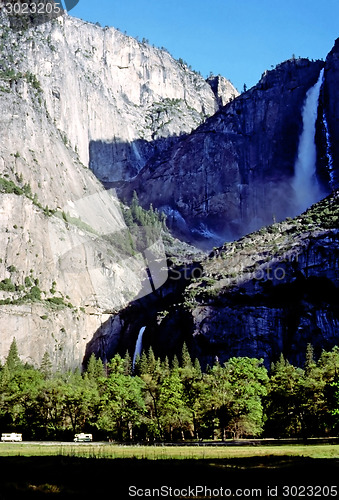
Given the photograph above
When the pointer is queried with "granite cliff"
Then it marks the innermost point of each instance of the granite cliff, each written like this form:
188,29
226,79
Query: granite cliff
233,174
275,290
271,292
73,96
82,106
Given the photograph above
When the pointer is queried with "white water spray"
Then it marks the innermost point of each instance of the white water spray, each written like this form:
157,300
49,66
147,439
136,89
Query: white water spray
138,346
328,151
305,185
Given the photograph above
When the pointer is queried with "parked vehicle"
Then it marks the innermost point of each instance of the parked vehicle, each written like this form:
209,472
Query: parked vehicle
11,437
82,438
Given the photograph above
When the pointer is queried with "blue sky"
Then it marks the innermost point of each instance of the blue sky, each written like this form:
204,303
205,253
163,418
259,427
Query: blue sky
238,39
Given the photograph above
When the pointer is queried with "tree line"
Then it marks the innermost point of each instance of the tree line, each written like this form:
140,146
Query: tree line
163,400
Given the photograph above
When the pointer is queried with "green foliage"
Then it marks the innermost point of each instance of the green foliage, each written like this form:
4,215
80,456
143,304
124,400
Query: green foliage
13,361
8,186
32,80
174,413
144,228
58,301
324,214
6,285
35,294
164,401
28,282
122,404
75,221
236,396
95,368
300,402
138,216
46,366
9,74
29,291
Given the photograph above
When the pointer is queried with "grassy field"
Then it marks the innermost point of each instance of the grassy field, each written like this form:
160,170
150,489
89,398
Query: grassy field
112,451
87,471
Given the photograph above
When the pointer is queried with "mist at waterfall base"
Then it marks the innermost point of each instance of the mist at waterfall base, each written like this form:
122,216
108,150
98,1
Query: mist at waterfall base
287,196
306,188
138,346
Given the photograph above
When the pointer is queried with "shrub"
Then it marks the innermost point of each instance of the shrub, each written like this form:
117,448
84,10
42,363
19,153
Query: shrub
35,293
6,285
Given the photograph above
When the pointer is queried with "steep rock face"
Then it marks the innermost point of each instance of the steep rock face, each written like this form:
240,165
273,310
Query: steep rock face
298,306
63,333
223,89
288,304
74,95
50,244
271,292
119,333
110,95
64,266
233,173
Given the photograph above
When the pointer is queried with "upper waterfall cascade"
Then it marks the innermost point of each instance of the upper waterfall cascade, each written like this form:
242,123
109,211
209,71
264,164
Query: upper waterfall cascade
305,185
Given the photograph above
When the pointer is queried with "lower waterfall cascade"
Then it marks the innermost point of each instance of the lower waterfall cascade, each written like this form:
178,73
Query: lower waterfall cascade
138,346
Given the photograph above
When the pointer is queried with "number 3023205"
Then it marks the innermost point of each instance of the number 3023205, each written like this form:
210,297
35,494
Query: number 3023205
18,8
310,491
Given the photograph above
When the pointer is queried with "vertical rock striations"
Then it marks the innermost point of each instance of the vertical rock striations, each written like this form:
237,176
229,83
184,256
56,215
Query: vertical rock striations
72,95
115,99
233,174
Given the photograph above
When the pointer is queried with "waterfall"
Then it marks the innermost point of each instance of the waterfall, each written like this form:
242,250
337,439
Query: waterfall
305,185
328,151
138,346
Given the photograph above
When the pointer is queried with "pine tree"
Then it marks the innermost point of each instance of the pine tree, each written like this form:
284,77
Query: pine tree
165,367
175,363
101,368
13,361
46,366
4,377
197,368
309,362
135,206
95,368
141,364
151,361
186,361
127,217
91,366
127,364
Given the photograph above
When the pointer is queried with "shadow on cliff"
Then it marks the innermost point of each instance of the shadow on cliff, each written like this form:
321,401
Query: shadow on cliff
269,320
231,175
117,161
205,205
119,333
234,170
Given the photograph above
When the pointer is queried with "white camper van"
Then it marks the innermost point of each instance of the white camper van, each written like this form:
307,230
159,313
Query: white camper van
11,437
83,438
